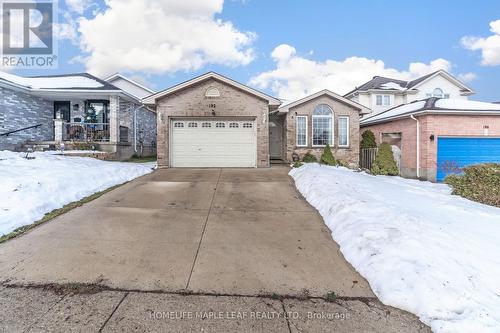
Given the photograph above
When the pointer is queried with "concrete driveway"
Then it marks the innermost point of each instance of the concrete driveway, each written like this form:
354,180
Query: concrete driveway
220,231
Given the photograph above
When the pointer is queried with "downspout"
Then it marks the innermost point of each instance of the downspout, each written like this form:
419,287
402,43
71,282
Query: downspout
418,144
135,127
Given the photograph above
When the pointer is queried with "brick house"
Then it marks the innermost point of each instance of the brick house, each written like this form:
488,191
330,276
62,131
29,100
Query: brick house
213,121
316,120
47,110
439,136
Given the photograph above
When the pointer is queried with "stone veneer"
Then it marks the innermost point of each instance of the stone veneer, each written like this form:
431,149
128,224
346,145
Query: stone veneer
348,154
191,102
18,110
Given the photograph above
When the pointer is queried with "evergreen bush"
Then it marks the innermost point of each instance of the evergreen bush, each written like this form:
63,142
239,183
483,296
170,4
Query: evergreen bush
479,183
368,140
309,158
384,163
327,156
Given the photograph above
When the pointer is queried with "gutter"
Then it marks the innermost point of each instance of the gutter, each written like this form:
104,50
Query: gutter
418,144
430,111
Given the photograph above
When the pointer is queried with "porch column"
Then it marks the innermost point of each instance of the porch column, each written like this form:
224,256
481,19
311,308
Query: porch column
59,125
114,124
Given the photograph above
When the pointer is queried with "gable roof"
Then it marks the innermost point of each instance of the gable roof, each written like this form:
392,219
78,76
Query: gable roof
389,84
287,107
65,82
120,76
210,75
432,105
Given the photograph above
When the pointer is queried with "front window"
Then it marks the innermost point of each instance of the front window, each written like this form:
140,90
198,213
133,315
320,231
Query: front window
383,100
438,93
343,131
301,139
322,125
387,100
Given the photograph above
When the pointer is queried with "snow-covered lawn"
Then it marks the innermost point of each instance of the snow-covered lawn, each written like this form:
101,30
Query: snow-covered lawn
31,188
420,248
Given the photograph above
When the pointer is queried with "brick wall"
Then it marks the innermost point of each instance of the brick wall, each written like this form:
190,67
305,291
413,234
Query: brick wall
437,125
349,154
191,102
18,110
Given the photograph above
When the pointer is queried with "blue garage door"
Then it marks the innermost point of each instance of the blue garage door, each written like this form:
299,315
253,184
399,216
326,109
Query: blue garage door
456,153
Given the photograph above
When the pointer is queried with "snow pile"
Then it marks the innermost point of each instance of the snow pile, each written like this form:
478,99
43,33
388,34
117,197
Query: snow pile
31,188
392,86
403,109
420,248
463,104
57,82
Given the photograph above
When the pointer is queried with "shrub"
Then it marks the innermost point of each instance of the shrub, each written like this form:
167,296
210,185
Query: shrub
297,164
327,156
309,158
368,140
384,163
83,146
331,296
479,183
342,163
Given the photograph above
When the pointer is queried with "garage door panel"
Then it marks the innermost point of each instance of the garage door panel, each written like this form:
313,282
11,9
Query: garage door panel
221,143
455,153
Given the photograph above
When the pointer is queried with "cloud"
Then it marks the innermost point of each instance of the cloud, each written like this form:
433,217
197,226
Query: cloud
296,76
78,6
155,36
467,77
489,46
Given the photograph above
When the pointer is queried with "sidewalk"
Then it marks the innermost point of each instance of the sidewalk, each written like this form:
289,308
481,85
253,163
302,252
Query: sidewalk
54,309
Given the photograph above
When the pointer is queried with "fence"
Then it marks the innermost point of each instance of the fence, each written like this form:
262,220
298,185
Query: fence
87,132
366,157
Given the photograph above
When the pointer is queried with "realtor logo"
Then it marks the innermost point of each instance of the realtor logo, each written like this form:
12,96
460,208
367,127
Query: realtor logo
28,34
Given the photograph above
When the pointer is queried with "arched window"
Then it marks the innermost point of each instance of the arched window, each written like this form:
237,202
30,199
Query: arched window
438,92
212,92
322,125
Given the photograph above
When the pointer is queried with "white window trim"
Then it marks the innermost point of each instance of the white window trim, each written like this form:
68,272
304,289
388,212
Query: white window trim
348,132
332,141
297,132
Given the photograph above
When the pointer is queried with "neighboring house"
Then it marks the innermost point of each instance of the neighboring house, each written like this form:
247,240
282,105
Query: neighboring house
46,110
213,121
382,93
130,86
439,136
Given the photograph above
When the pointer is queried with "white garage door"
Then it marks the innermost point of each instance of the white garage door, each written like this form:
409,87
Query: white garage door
213,143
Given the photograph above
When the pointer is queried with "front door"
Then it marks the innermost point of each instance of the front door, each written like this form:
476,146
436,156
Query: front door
275,139
62,109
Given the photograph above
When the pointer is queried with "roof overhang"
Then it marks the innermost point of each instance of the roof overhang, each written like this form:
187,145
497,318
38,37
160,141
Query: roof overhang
151,100
53,94
120,76
466,90
362,109
367,122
